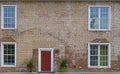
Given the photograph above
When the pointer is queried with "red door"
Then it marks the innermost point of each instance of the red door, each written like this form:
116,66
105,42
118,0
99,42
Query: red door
45,61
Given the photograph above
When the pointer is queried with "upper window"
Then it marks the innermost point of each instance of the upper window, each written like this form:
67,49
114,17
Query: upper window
8,17
8,54
99,55
99,17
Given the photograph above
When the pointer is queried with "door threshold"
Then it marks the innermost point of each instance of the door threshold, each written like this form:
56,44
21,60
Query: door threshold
46,72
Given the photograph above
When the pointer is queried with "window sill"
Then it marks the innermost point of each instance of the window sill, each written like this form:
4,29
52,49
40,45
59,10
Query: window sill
8,28
99,67
98,29
8,66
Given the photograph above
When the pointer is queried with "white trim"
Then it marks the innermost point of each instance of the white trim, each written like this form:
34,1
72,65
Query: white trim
109,56
2,50
2,14
109,28
39,57
110,18
99,6
88,55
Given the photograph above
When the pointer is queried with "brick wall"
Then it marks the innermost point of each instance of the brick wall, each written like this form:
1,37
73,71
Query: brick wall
62,26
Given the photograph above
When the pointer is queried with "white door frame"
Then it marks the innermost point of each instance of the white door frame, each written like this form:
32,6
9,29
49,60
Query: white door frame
39,57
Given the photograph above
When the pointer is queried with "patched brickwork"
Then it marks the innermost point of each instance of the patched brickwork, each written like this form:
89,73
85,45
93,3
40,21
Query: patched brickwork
7,69
7,39
35,59
98,40
56,59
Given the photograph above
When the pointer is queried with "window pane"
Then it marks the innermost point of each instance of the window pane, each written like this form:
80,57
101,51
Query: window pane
9,54
9,51
5,59
5,51
13,22
104,50
9,46
13,9
94,18
5,11
103,60
9,9
13,46
9,60
93,49
99,55
12,52
5,20
9,16
104,24
13,14
5,14
9,22
94,60
104,18
94,55
103,55
5,46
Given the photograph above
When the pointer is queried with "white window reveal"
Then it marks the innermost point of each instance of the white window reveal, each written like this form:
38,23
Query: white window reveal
99,17
99,55
9,16
8,54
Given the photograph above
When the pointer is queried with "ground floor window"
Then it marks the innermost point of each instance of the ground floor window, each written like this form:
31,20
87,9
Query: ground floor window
8,54
99,55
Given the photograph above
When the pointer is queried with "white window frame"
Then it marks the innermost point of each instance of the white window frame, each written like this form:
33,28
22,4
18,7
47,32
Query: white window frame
2,18
109,55
109,28
2,50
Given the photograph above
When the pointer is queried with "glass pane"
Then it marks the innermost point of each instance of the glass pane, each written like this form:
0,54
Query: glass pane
13,22
5,51
9,52
94,18
13,9
13,59
9,57
5,46
9,9
103,49
13,52
104,17
5,21
13,14
93,60
9,22
5,26
5,11
9,46
9,60
9,16
13,46
5,59
103,60
5,15
93,49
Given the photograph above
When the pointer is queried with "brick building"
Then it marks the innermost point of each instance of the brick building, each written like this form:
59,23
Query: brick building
86,33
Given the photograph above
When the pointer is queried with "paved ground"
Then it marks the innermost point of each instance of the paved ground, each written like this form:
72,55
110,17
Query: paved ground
61,73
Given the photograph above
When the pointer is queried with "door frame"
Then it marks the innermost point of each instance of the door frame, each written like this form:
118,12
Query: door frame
39,58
